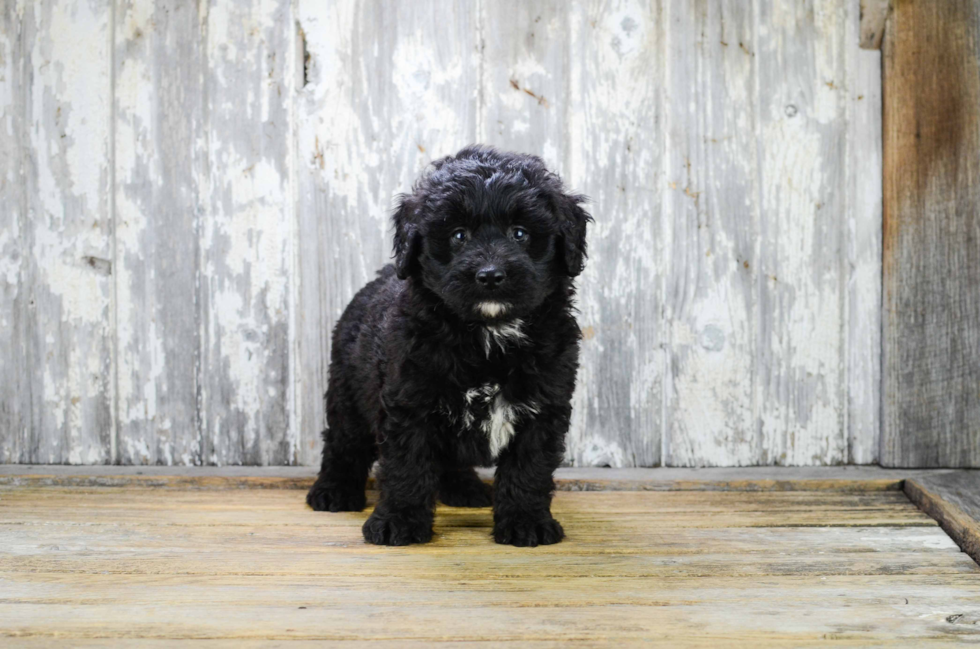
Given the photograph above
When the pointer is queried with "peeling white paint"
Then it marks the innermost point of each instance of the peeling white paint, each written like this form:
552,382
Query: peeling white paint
729,305
613,96
247,231
711,221
603,452
10,257
864,249
53,243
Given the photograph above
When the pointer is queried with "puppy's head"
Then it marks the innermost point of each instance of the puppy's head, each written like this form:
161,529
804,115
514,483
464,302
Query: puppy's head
491,233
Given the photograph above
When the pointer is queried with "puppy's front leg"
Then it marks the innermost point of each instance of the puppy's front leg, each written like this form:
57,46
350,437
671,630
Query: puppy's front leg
524,483
408,481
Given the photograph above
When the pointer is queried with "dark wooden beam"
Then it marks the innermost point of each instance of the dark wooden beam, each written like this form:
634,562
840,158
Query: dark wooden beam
953,499
931,256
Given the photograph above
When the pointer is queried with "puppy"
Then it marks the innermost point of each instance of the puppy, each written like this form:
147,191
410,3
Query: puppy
462,353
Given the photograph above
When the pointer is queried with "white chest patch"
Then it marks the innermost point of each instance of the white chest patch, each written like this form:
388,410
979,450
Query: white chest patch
502,334
497,415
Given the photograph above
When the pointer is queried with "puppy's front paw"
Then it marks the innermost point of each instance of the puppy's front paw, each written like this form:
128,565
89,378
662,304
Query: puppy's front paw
397,528
528,532
329,498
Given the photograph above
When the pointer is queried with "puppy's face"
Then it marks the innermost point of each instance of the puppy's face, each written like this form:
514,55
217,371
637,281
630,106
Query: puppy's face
490,259
491,234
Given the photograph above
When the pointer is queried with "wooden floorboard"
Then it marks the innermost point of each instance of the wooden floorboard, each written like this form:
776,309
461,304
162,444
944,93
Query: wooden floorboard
221,566
953,499
764,478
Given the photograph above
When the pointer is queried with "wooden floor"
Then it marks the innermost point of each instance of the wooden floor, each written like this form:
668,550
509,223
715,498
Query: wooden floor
230,567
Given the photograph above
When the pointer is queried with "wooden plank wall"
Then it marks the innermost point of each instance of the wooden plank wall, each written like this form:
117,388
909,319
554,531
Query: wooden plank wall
193,191
56,245
931,373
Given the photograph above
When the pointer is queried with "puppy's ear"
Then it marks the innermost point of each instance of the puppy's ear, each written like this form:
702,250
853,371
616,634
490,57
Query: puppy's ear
408,239
574,221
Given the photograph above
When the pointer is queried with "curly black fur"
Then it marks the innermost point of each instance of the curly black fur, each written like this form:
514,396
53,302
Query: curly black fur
462,353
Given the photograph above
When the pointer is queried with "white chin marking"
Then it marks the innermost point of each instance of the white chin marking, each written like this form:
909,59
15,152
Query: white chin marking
491,309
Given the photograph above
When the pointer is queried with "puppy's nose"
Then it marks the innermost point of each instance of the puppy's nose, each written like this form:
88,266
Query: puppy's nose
490,276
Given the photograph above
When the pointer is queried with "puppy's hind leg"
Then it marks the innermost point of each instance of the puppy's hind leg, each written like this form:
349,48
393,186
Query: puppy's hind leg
464,488
348,453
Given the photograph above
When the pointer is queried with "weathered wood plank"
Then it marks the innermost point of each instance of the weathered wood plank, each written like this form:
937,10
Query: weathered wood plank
160,160
78,573
749,382
711,235
15,388
862,360
241,232
343,556
388,88
673,625
627,539
102,590
612,143
524,78
931,265
684,639
954,501
248,235
801,129
57,246
841,479
26,498
618,510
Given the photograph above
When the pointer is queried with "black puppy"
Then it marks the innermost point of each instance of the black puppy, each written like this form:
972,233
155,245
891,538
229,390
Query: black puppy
462,353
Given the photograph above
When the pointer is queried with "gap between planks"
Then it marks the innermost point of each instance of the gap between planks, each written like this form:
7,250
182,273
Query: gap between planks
838,478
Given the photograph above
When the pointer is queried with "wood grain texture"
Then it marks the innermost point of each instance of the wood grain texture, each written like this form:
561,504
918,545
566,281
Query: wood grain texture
613,155
773,195
931,350
524,78
248,236
15,389
563,482
150,565
768,640
801,132
711,236
954,501
862,316
844,479
251,154
160,166
56,250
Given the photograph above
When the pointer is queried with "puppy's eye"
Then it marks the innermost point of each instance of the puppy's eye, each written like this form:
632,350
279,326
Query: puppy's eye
459,236
519,234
